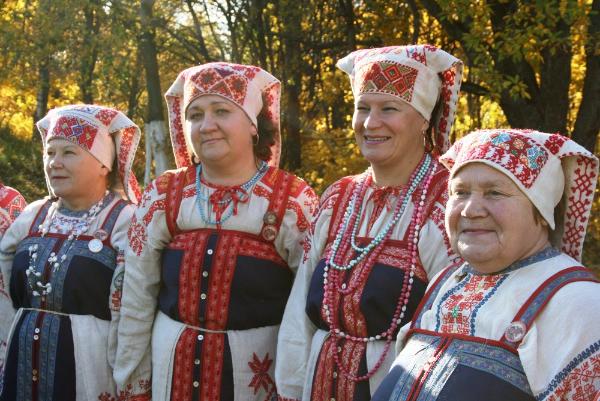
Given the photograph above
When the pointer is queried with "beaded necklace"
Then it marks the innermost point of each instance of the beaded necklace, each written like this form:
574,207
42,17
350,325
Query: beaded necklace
333,278
38,288
229,195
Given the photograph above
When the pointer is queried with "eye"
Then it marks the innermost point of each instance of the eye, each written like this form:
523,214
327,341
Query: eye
361,107
494,193
390,108
459,192
195,116
221,111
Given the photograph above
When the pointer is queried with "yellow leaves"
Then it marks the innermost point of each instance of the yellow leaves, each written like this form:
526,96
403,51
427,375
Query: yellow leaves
16,110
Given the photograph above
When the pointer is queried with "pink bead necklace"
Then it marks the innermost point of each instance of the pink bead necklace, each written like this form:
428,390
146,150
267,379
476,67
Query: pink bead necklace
333,278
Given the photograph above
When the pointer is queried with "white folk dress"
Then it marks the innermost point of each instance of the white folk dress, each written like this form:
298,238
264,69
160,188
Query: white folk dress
202,304
530,332
61,346
305,366
11,205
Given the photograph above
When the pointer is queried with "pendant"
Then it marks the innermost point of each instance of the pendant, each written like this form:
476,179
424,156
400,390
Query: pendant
95,245
270,218
515,331
100,234
269,232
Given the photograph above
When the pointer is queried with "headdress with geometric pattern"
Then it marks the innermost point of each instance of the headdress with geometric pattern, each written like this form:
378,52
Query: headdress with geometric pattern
546,168
104,132
418,75
249,87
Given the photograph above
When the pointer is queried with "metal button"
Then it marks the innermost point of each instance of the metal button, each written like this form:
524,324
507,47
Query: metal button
196,361
209,251
36,337
37,330
203,296
196,384
200,337
205,274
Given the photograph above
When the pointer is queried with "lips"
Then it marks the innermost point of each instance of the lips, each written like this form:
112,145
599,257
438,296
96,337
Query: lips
375,139
211,140
476,231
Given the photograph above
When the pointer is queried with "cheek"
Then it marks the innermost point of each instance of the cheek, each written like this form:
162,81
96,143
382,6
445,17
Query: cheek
451,218
357,122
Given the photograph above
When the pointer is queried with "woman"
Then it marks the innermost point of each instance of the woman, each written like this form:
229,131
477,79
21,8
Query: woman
519,320
11,205
378,237
213,246
63,257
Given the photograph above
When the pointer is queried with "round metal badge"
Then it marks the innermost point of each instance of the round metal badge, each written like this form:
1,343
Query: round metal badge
269,232
95,245
515,331
101,234
270,218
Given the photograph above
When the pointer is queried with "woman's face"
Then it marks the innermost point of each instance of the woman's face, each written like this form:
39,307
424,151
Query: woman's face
74,175
220,131
490,222
387,129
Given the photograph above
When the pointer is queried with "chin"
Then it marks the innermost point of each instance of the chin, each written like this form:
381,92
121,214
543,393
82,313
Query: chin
475,255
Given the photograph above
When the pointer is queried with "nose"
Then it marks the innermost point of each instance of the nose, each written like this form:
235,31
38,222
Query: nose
474,207
208,123
55,161
372,120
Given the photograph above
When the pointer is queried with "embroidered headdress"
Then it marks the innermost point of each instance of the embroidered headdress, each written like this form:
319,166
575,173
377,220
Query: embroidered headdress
418,75
104,132
251,88
546,168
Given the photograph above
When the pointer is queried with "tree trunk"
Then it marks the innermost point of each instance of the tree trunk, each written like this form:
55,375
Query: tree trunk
41,107
89,55
292,83
587,124
155,124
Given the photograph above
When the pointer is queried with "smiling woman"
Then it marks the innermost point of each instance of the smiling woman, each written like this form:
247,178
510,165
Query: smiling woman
379,236
519,320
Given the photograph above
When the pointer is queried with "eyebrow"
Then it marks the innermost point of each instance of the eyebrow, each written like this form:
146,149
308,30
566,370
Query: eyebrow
484,184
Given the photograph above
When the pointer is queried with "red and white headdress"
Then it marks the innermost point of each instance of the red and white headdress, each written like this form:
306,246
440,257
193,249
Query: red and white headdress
249,87
418,75
545,167
104,132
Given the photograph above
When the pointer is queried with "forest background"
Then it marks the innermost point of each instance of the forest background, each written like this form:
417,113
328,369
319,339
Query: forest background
528,64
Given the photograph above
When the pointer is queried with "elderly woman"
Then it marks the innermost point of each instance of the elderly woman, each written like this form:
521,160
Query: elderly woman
214,246
63,257
378,237
519,320
11,205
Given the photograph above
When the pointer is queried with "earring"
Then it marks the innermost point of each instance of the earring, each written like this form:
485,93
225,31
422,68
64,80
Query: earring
257,137
427,143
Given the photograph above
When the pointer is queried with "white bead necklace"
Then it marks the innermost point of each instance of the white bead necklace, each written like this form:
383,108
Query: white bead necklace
39,288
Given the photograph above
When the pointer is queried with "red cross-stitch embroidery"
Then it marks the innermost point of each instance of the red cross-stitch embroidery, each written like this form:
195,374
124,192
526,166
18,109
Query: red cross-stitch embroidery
76,130
106,116
458,308
579,200
515,152
555,142
581,384
389,77
262,378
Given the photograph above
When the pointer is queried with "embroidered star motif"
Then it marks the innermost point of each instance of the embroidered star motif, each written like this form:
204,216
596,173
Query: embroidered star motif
261,373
